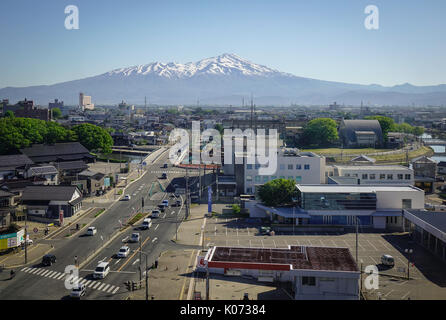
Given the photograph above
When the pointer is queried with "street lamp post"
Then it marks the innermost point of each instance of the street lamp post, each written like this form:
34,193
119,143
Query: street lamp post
409,252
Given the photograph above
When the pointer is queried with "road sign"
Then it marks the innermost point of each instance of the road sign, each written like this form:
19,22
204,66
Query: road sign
35,230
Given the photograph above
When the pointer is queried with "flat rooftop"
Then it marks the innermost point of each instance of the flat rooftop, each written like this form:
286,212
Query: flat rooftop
335,188
436,219
299,257
371,168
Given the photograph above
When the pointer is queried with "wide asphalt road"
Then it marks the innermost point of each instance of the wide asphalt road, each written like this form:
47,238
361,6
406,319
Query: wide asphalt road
37,282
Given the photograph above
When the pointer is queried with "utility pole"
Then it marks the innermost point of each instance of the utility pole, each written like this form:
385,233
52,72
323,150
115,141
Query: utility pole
187,193
147,281
26,232
357,226
140,257
216,182
207,283
199,181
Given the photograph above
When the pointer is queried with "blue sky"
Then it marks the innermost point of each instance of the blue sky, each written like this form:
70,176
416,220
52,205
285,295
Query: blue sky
319,39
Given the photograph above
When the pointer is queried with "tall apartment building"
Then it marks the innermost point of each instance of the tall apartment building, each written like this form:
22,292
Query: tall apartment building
85,102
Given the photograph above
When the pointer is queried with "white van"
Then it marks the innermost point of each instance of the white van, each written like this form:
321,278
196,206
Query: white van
101,270
387,260
91,231
155,213
147,223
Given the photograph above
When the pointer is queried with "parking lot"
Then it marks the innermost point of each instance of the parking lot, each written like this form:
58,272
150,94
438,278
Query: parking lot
427,275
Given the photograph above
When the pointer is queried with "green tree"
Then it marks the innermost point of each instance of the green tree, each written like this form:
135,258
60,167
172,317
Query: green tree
9,114
418,131
277,192
93,137
220,128
56,113
320,132
387,124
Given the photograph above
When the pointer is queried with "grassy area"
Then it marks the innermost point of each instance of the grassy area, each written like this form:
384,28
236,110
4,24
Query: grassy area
120,191
335,151
135,219
99,212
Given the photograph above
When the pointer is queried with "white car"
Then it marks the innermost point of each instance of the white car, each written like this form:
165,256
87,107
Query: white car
91,231
387,260
127,197
147,223
101,270
28,242
78,291
134,237
155,213
123,252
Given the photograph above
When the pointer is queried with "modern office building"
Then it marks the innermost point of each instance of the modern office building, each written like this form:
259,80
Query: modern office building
372,206
375,174
85,102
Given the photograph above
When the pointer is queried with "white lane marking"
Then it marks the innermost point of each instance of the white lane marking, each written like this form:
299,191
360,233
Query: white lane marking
154,239
34,270
374,261
117,261
61,276
110,289
157,226
136,261
102,285
97,284
50,274
102,260
404,297
40,271
388,293
26,269
117,288
88,283
274,244
372,245
106,287
164,215
83,281
125,239
46,272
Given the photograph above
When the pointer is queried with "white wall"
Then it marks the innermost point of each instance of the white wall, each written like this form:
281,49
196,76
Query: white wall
393,199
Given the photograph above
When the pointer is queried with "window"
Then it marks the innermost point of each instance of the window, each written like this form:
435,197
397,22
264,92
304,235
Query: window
347,174
249,166
365,176
290,178
298,167
372,176
248,178
257,166
273,177
400,176
282,177
306,167
382,176
308,281
407,176
407,203
265,178
390,176
298,179
282,167
248,190
290,167
257,178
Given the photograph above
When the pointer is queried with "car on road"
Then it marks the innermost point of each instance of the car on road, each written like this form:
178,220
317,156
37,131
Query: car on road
101,270
91,231
165,165
155,213
28,242
123,252
387,260
165,203
161,206
78,291
178,203
146,223
48,259
164,175
126,197
135,237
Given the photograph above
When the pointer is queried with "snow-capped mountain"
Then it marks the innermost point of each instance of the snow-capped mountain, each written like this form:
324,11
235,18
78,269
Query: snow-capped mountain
225,64
224,79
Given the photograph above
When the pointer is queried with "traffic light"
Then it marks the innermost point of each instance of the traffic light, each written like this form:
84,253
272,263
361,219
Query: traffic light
134,287
127,284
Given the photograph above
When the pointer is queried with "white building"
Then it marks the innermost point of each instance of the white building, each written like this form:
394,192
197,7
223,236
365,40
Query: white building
374,174
316,273
302,167
374,206
85,102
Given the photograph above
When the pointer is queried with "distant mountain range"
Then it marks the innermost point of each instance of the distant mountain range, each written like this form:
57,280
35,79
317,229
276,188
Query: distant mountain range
225,79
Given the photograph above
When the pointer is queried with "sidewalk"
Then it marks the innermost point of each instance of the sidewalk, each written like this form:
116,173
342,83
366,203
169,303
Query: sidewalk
35,253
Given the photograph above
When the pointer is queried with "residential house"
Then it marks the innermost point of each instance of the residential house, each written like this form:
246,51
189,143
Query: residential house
14,166
58,152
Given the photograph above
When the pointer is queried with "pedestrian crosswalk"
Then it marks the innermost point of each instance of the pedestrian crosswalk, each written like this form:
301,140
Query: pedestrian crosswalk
96,285
168,172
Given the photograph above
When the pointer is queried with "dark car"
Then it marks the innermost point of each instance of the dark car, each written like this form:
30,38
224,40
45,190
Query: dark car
48,259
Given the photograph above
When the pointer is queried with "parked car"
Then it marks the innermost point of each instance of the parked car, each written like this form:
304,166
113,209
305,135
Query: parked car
123,252
91,231
78,291
28,242
134,237
155,213
164,175
146,223
165,165
178,203
165,203
101,270
48,259
126,197
387,260
161,206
